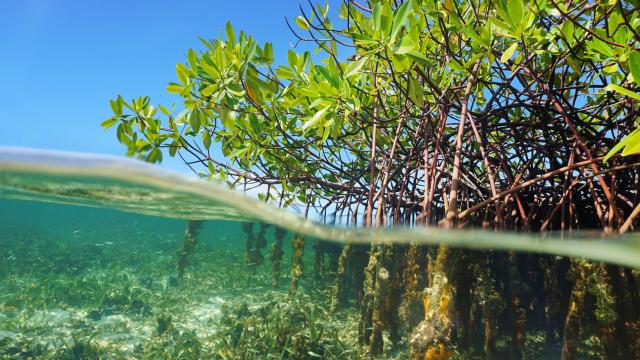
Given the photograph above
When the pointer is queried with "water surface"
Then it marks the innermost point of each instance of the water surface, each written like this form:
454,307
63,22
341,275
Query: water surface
133,186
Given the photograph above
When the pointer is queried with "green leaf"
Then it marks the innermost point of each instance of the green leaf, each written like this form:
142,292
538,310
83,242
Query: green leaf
254,89
404,46
292,58
515,11
174,88
634,66
193,58
195,120
326,131
164,110
238,152
210,69
631,144
632,148
252,50
109,122
477,42
302,23
611,69
116,107
284,73
209,90
509,52
601,47
173,148
206,139
619,89
377,15
313,120
268,52
415,91
120,133
154,156
153,126
231,37
182,73
399,19
499,27
418,57
353,68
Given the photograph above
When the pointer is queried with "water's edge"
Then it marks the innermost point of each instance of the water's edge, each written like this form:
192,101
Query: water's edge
135,186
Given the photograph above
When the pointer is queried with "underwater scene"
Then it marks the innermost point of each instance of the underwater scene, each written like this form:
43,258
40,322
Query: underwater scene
96,283
94,266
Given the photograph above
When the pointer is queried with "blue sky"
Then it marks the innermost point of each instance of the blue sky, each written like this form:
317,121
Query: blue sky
61,61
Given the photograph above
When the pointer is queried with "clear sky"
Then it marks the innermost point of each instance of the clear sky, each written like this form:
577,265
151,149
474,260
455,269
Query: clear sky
62,60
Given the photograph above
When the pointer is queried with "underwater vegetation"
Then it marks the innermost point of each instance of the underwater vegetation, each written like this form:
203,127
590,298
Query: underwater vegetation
75,296
63,299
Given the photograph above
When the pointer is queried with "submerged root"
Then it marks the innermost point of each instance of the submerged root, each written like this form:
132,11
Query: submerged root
517,290
573,320
378,313
379,309
599,286
318,257
325,261
296,264
366,307
431,339
552,299
339,296
253,245
358,259
411,310
491,307
276,254
190,241
261,241
438,352
463,279
386,299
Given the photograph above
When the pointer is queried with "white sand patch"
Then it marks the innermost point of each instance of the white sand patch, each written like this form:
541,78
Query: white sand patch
121,332
203,318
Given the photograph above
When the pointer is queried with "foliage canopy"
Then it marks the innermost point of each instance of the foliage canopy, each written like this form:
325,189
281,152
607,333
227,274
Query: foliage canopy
419,106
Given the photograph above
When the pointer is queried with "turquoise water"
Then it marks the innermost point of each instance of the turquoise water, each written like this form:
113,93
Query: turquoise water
122,184
90,249
95,282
